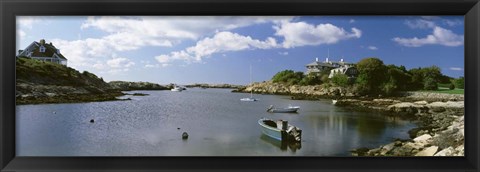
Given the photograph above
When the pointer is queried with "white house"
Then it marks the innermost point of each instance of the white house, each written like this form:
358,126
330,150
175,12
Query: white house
43,51
348,70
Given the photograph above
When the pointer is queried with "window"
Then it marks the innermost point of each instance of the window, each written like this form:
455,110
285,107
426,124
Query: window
42,49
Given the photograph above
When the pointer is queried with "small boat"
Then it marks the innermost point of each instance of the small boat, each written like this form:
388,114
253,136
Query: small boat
249,99
280,130
177,89
334,102
289,109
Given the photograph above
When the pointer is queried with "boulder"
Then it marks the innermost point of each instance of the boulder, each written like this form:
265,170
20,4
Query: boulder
387,148
430,151
445,152
422,138
423,102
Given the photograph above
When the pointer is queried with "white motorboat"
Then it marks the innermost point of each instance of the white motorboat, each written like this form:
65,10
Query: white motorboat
177,89
289,109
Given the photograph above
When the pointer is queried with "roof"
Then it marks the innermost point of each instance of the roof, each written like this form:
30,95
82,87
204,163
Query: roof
316,63
50,50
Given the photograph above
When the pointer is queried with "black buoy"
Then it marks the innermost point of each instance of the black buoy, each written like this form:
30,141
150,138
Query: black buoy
92,121
185,135
178,128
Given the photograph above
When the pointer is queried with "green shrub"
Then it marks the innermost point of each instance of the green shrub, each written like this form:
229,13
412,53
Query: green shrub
452,86
340,80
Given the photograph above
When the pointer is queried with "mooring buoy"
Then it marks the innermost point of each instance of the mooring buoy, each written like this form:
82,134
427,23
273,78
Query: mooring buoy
92,121
185,135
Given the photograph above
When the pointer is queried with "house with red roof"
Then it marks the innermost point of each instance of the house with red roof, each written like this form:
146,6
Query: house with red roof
44,52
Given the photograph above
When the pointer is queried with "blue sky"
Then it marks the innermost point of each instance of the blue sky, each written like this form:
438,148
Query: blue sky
220,49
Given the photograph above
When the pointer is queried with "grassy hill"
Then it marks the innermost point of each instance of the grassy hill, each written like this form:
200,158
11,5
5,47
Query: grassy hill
45,82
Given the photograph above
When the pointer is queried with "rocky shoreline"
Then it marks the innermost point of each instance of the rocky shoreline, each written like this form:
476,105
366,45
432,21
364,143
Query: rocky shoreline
229,86
440,129
33,93
439,117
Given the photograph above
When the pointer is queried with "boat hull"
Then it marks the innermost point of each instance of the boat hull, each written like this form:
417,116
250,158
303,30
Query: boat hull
288,133
248,99
283,110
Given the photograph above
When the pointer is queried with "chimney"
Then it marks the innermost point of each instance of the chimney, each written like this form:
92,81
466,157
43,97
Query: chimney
316,59
42,41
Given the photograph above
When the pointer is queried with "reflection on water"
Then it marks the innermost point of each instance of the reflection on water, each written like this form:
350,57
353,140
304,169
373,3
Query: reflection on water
283,145
218,124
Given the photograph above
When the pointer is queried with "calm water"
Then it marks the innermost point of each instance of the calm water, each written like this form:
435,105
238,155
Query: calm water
217,121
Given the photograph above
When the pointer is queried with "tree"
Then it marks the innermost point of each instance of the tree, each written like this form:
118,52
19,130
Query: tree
430,84
416,82
340,80
460,82
371,75
452,86
398,78
431,77
289,77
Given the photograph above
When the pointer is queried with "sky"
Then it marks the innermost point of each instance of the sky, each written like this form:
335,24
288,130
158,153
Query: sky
221,49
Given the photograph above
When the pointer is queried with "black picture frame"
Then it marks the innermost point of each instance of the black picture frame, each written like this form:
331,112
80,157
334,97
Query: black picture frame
11,8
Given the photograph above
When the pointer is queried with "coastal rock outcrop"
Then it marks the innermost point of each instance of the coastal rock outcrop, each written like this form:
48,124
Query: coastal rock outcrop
297,91
440,134
127,86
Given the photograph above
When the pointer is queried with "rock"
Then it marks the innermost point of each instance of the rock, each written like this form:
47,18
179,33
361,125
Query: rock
185,135
387,148
423,102
460,151
414,145
422,138
430,151
445,152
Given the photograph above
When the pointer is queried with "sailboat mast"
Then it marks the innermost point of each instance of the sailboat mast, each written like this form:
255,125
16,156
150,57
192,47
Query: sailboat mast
251,91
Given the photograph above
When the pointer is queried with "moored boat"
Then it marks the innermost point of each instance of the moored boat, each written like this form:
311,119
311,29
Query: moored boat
176,89
248,99
280,130
289,109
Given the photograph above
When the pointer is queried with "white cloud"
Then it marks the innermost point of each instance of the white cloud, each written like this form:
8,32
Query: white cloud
99,66
120,63
133,33
372,48
453,23
456,68
28,21
283,53
221,42
420,24
440,36
21,34
173,28
300,34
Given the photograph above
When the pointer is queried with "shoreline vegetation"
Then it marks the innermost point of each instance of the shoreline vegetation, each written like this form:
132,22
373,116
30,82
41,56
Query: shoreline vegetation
439,115
433,101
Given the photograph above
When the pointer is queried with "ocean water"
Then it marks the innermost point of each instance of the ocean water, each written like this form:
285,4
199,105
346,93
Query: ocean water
217,122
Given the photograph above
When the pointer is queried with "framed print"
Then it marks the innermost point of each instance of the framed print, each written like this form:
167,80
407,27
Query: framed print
251,85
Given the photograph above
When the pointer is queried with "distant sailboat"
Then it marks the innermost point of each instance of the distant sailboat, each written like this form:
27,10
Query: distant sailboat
249,99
